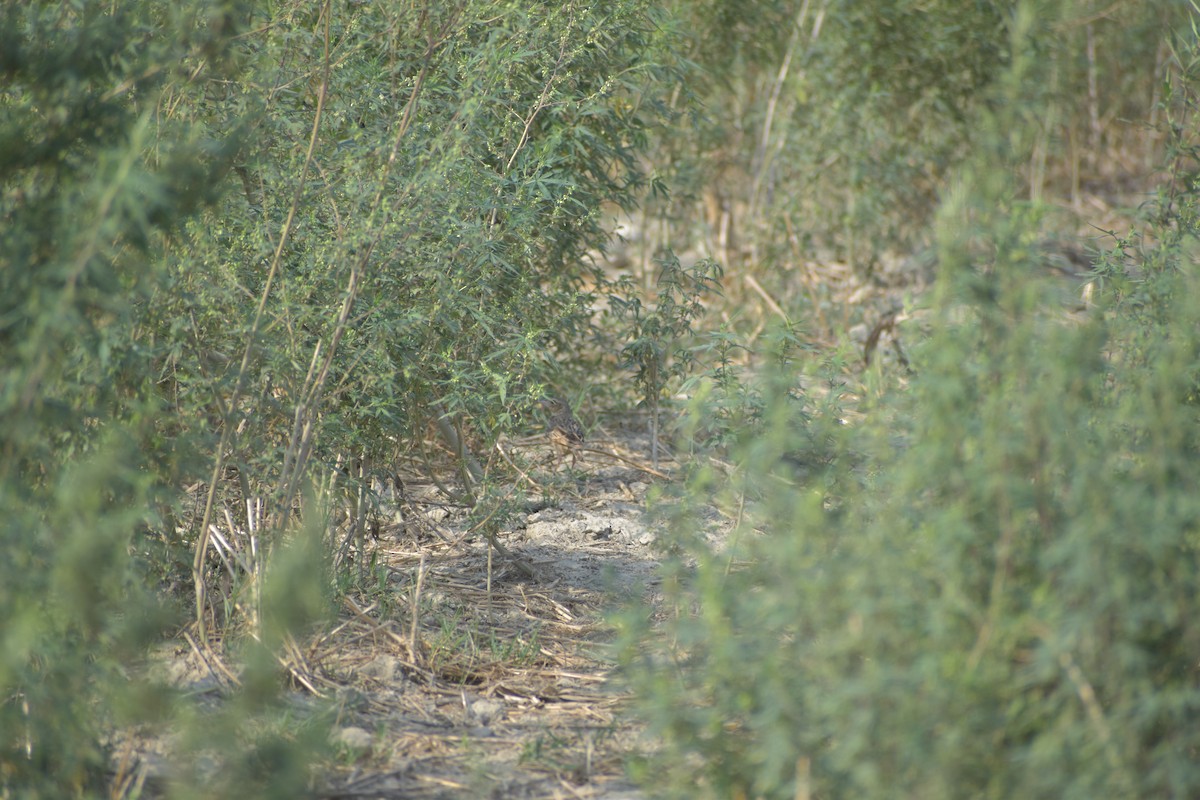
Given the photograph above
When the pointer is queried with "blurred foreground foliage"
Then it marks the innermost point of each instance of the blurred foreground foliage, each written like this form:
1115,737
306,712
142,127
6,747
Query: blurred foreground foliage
984,588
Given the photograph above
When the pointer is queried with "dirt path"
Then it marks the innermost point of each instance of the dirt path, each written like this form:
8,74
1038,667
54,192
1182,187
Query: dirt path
498,686
499,693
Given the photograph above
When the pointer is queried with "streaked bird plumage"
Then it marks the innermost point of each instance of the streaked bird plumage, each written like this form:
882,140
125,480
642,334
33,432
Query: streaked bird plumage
566,433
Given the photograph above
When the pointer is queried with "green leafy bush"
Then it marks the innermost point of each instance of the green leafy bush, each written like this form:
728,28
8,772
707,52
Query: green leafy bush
830,130
91,188
247,246
987,591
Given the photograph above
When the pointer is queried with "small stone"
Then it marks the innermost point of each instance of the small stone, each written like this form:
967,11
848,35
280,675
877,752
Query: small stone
353,738
485,711
381,668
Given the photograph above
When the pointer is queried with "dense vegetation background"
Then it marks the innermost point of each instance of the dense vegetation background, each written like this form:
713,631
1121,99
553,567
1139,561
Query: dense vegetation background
254,252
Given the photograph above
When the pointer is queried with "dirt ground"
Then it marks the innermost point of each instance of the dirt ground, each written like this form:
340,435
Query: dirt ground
504,691
499,685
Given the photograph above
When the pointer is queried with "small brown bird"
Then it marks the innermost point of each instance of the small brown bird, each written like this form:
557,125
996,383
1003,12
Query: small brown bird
566,434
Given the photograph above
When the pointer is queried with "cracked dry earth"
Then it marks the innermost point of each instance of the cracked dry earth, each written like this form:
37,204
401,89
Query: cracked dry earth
501,687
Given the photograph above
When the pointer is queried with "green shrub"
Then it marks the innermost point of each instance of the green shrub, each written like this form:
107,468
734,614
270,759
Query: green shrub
247,246
91,189
829,131
987,592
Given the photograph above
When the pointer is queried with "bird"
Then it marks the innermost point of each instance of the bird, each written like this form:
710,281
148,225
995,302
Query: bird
566,434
